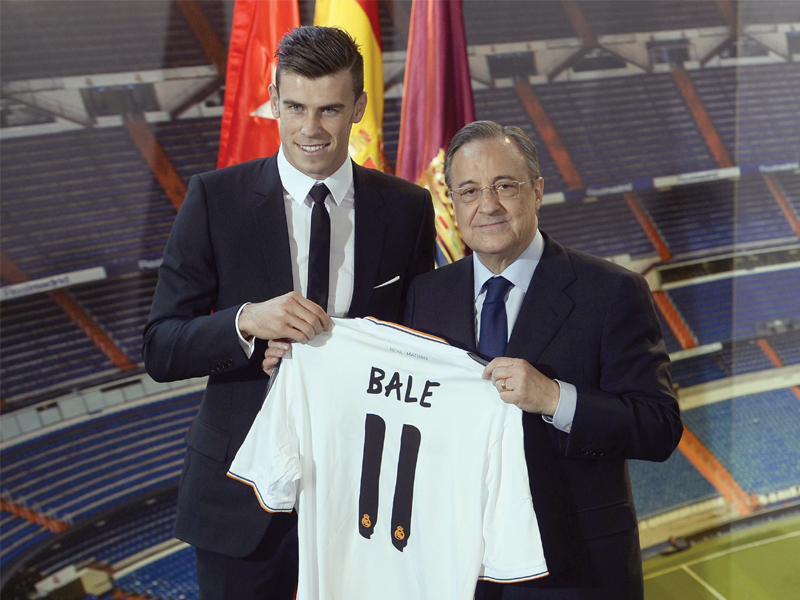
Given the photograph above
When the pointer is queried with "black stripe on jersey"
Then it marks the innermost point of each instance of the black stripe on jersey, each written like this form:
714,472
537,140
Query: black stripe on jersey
374,434
404,488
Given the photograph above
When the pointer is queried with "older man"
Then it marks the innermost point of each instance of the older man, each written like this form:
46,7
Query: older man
575,342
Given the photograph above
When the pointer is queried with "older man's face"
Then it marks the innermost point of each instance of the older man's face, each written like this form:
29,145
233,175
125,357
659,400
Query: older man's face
497,229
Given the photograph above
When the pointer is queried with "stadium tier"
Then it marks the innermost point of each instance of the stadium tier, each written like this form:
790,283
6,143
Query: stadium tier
754,437
44,351
622,128
612,230
739,307
89,37
93,202
662,487
717,216
608,17
72,474
755,109
191,144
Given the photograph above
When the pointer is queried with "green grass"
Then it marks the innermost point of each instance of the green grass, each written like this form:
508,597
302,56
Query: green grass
756,563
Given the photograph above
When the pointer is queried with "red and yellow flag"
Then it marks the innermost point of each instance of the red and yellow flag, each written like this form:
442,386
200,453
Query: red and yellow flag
249,130
360,19
437,102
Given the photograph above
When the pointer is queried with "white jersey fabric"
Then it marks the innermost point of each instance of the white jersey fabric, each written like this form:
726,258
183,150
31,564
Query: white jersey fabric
406,469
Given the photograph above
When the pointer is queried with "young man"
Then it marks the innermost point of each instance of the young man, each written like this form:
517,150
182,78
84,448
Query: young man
239,267
575,343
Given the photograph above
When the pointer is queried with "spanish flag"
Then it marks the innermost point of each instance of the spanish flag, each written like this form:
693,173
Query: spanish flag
248,128
360,19
437,102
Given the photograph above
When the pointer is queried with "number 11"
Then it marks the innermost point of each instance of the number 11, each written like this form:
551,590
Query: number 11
374,434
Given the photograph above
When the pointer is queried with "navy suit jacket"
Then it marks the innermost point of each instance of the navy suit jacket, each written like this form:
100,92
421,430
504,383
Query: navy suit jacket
230,245
590,323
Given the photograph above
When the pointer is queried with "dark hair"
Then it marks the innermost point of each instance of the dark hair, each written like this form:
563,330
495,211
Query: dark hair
313,51
489,130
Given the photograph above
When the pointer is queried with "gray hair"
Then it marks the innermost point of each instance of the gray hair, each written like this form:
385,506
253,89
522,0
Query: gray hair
489,130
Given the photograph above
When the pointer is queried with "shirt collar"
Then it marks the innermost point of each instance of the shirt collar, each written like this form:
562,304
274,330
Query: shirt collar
520,272
298,184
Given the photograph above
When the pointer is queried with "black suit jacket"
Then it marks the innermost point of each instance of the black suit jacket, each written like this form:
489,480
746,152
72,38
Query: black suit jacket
590,323
230,245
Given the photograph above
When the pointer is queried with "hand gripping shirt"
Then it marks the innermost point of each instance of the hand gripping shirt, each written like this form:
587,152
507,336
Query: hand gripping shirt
406,469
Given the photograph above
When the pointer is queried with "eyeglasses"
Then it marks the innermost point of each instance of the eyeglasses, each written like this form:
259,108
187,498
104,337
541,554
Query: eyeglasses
505,190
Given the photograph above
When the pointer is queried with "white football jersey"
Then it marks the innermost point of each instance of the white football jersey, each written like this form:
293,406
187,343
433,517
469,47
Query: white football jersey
406,469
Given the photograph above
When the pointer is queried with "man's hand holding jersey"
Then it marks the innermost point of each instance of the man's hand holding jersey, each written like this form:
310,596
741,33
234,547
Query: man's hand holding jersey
523,385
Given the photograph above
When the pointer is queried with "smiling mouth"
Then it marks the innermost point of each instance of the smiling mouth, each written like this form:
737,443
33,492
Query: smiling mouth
314,148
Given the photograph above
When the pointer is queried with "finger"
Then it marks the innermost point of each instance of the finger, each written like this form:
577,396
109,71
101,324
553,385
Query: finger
488,370
319,314
268,365
279,343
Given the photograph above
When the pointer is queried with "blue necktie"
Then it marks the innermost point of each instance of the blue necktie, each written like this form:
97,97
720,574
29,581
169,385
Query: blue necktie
494,322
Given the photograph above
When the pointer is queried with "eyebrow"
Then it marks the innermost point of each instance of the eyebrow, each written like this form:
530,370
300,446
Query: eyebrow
290,102
495,180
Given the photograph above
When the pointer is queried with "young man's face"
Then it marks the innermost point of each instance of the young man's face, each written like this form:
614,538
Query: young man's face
316,116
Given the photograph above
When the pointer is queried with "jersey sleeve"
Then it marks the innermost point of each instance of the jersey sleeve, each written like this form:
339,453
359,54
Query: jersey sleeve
512,542
268,459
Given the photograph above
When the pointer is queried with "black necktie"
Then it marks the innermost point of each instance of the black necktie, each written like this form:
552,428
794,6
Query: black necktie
319,249
494,322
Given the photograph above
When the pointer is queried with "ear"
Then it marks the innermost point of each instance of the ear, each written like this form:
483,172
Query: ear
360,108
274,101
538,192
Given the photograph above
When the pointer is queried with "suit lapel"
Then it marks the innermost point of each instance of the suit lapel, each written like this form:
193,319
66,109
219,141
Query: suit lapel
272,231
369,231
546,304
455,312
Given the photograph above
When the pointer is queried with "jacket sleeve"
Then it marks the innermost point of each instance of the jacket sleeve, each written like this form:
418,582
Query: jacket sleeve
632,412
186,336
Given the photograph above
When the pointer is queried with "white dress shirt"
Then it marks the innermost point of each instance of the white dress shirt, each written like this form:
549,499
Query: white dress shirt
520,273
341,207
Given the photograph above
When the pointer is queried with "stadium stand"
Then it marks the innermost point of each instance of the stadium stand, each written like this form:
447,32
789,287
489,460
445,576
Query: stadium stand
739,307
717,216
44,351
613,230
191,144
755,109
114,536
734,358
93,202
123,36
789,184
489,22
622,128
79,471
609,17
787,346
754,436
173,576
662,487
121,305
